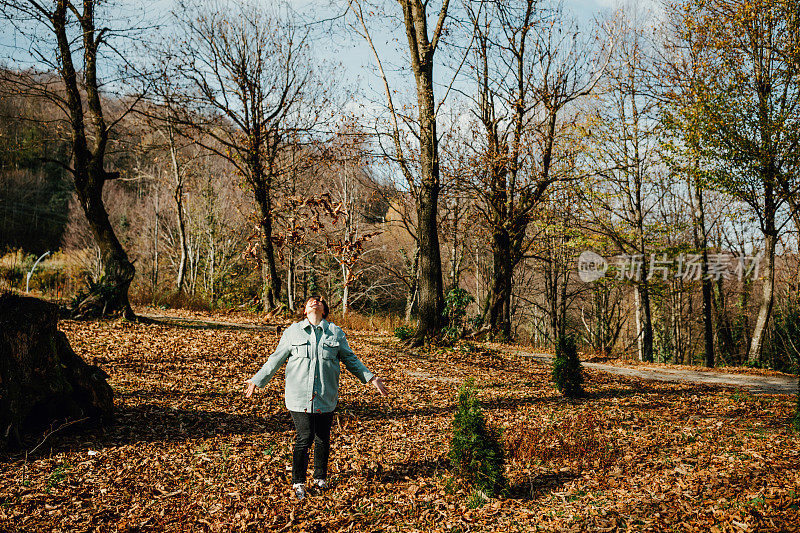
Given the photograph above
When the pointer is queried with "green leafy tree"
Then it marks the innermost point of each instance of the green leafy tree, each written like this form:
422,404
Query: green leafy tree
749,115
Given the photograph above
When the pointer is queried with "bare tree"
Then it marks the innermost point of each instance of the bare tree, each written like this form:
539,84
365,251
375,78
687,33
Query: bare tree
175,156
179,173
528,71
625,156
68,38
401,223
683,66
250,82
423,40
352,191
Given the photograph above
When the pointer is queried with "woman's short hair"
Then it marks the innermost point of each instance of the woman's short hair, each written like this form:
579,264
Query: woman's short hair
321,299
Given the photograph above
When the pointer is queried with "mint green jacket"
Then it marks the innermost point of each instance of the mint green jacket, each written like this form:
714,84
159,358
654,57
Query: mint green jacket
312,368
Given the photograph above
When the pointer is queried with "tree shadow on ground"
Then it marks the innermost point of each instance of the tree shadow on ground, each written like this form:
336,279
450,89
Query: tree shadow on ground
369,411
484,362
634,389
149,423
533,487
198,323
153,422
398,471
413,469
522,487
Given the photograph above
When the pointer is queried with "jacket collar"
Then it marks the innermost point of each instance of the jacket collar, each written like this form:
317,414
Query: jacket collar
324,324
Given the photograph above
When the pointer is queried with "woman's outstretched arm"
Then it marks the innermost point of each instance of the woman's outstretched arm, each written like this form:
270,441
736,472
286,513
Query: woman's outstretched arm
270,368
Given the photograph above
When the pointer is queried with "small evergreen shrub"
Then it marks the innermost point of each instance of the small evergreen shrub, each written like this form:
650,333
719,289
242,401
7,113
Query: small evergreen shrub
403,332
567,368
796,420
476,499
476,453
456,302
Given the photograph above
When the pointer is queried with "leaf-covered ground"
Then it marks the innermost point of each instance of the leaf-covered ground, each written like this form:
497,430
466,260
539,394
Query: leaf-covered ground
189,453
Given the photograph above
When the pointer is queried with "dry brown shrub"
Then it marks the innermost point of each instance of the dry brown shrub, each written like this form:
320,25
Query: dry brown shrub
358,322
575,438
170,300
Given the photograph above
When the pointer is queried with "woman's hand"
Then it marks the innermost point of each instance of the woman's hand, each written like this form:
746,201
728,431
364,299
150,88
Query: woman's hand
249,388
378,382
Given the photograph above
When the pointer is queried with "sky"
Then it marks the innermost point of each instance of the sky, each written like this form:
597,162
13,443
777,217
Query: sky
358,63
358,59
351,51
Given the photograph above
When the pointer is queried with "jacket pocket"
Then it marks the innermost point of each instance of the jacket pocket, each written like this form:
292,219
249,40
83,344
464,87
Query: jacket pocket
330,349
300,349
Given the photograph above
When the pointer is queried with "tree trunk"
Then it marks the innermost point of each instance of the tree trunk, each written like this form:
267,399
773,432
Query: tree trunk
155,244
562,321
110,294
767,298
456,256
507,314
478,281
421,49
180,281
701,242
708,324
345,288
551,293
767,292
724,330
411,298
177,196
431,297
271,291
42,381
638,305
646,350
211,262
642,287
743,321
291,282
501,283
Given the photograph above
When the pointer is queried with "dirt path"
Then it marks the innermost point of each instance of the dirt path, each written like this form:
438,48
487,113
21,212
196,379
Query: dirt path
754,384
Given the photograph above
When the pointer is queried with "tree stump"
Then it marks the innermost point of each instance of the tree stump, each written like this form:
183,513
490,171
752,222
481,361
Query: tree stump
44,383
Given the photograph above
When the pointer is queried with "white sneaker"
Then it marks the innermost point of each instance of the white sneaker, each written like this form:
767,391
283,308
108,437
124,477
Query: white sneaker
321,484
299,490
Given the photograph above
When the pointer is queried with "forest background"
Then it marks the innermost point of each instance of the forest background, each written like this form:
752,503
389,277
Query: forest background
242,166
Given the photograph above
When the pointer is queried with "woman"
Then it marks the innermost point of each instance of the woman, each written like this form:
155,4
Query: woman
313,348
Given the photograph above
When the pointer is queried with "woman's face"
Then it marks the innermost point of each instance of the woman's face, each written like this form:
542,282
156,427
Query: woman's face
314,305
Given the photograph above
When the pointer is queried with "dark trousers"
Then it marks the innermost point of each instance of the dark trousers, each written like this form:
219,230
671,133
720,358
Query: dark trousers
310,427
